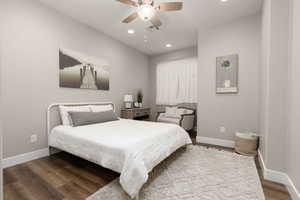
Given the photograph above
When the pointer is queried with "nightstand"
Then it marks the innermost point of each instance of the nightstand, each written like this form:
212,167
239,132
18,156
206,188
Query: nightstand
136,113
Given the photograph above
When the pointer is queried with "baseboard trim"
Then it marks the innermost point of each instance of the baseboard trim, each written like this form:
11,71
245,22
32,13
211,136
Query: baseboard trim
279,177
19,159
215,141
262,163
276,176
293,190
270,175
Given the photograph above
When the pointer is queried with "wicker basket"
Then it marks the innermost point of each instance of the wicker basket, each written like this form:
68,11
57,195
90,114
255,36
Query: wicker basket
246,144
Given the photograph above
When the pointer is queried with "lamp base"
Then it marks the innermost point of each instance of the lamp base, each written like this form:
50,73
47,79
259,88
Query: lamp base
128,105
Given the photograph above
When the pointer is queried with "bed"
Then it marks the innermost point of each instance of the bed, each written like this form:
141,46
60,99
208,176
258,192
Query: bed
131,148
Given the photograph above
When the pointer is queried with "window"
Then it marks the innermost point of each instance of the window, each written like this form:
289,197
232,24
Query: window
176,82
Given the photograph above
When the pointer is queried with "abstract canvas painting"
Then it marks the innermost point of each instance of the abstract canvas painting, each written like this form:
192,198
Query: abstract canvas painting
227,74
80,71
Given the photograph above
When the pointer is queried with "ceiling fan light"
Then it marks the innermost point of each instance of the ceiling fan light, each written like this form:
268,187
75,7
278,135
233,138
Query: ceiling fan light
146,12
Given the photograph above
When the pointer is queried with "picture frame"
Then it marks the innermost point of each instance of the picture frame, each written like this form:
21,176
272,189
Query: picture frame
77,70
227,68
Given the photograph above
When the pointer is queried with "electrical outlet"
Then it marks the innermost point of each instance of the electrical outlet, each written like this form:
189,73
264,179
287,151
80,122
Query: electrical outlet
222,129
33,138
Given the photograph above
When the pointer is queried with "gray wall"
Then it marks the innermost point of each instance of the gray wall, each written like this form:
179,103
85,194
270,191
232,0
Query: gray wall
293,136
1,133
1,169
265,53
274,78
30,37
236,112
154,60
280,96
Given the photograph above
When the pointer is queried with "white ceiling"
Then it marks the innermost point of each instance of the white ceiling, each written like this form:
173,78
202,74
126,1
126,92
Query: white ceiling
179,27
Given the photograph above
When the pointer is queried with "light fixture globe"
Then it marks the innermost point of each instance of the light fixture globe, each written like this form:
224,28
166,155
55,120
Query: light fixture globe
146,12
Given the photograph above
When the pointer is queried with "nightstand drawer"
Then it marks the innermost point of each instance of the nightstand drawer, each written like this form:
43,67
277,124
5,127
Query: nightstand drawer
142,112
135,113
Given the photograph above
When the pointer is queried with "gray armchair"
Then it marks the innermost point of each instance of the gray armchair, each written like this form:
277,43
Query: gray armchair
185,118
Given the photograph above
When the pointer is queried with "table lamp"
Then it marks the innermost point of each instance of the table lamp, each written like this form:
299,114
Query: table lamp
128,100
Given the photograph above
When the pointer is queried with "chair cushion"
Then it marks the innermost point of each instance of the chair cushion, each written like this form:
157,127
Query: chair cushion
165,119
183,111
171,112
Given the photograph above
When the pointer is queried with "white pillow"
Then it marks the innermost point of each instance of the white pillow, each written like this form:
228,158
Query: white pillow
183,111
65,117
171,112
101,108
188,111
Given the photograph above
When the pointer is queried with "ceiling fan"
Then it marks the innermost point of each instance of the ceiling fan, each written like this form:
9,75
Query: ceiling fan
146,10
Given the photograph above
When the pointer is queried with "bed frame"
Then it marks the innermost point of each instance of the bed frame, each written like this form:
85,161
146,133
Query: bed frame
54,119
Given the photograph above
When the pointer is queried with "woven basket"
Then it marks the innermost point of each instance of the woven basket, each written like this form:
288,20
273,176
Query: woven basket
246,144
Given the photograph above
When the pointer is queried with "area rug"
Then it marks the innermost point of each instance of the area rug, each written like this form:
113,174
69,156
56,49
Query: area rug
196,173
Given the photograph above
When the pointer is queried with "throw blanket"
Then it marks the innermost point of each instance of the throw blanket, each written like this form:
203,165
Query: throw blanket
140,162
132,148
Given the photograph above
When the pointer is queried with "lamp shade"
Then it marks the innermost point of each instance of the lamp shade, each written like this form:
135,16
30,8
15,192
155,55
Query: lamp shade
128,98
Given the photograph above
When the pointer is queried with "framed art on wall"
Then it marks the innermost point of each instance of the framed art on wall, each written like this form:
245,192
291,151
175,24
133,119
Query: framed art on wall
227,74
80,71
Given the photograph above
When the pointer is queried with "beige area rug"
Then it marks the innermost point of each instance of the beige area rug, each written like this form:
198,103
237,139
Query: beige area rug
196,173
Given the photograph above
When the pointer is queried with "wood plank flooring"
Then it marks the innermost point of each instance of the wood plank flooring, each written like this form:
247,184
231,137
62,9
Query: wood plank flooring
65,177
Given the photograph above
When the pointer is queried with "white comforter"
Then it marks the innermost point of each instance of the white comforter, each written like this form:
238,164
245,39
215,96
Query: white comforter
132,148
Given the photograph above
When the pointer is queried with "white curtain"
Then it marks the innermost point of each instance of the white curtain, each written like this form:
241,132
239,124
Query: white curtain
176,82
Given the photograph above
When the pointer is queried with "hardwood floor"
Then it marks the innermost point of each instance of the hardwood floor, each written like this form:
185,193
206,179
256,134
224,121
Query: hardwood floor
65,177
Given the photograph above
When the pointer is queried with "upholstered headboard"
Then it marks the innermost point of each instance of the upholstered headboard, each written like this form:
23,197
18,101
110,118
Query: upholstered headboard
53,115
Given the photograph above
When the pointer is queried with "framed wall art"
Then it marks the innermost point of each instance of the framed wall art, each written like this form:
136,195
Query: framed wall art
227,74
77,70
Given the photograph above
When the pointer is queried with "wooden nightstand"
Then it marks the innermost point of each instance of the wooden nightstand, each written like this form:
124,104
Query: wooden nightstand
136,113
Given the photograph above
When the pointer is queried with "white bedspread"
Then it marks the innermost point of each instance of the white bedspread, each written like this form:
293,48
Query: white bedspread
132,148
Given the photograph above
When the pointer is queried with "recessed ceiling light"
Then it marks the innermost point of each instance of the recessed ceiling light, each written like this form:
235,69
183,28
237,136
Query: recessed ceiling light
131,31
224,0
168,45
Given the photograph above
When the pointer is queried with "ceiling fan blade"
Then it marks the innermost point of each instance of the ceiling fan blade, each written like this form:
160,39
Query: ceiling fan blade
170,6
130,18
128,2
156,21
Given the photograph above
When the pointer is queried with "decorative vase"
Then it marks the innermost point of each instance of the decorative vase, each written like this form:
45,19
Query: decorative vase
136,104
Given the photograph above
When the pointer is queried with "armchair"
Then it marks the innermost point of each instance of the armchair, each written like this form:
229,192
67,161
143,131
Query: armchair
182,116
